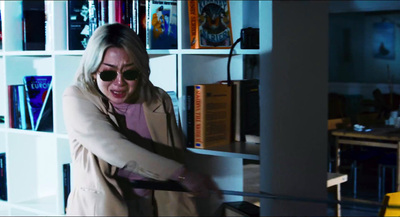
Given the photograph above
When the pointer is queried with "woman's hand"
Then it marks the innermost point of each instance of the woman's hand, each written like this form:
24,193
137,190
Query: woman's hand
198,184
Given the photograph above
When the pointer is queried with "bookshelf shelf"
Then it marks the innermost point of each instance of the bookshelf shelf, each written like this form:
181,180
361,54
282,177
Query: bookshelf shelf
42,154
240,150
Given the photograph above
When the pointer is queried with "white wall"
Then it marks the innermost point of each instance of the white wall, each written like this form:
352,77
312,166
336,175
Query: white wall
293,99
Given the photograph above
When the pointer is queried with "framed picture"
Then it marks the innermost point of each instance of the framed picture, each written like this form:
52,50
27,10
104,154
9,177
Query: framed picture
383,40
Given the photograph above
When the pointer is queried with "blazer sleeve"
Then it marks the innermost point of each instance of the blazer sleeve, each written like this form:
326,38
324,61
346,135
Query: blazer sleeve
91,128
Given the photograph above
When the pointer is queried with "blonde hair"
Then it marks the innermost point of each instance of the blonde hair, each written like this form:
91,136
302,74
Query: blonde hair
120,36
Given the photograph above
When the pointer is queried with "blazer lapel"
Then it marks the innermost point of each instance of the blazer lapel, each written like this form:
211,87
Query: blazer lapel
156,119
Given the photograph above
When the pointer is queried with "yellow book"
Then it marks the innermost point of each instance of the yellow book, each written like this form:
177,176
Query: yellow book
210,24
212,118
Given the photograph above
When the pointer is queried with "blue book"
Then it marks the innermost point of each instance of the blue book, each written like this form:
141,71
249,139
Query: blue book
37,89
161,26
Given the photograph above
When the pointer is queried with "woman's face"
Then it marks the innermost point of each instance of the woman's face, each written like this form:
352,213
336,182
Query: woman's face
121,88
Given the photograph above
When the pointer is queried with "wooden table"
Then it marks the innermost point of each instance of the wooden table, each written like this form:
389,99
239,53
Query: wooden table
382,137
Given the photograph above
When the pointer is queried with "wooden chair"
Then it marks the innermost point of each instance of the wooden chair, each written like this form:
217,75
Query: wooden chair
390,199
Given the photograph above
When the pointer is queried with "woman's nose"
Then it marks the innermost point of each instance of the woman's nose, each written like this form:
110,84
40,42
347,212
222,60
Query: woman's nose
119,79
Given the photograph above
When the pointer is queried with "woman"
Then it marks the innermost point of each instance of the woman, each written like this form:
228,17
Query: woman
122,128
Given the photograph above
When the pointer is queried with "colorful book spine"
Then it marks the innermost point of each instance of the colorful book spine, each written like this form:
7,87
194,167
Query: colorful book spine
10,106
210,24
36,88
212,119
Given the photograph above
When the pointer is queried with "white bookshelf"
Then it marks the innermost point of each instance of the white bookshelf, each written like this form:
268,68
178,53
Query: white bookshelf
34,159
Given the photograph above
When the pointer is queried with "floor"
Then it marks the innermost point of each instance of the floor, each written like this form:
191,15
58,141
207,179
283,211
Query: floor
366,203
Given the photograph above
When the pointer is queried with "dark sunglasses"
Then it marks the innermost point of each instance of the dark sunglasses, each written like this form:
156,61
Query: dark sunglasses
110,75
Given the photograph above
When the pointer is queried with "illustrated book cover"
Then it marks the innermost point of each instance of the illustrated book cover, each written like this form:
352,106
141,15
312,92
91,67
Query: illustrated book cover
212,117
210,24
161,25
78,24
37,89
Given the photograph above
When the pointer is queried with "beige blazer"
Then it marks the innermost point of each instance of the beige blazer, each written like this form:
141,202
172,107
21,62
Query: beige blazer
98,149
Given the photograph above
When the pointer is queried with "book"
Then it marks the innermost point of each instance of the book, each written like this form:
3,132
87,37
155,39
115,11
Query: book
119,11
102,12
111,12
212,119
18,117
175,103
246,109
78,24
33,25
141,30
161,24
45,118
36,88
93,24
190,116
11,106
15,112
66,168
210,24
135,14
123,12
3,177
48,10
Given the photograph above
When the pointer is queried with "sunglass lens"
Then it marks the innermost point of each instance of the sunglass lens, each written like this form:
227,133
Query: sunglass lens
131,75
108,75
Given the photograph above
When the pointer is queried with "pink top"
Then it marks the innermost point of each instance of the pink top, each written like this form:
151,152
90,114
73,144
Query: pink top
135,119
